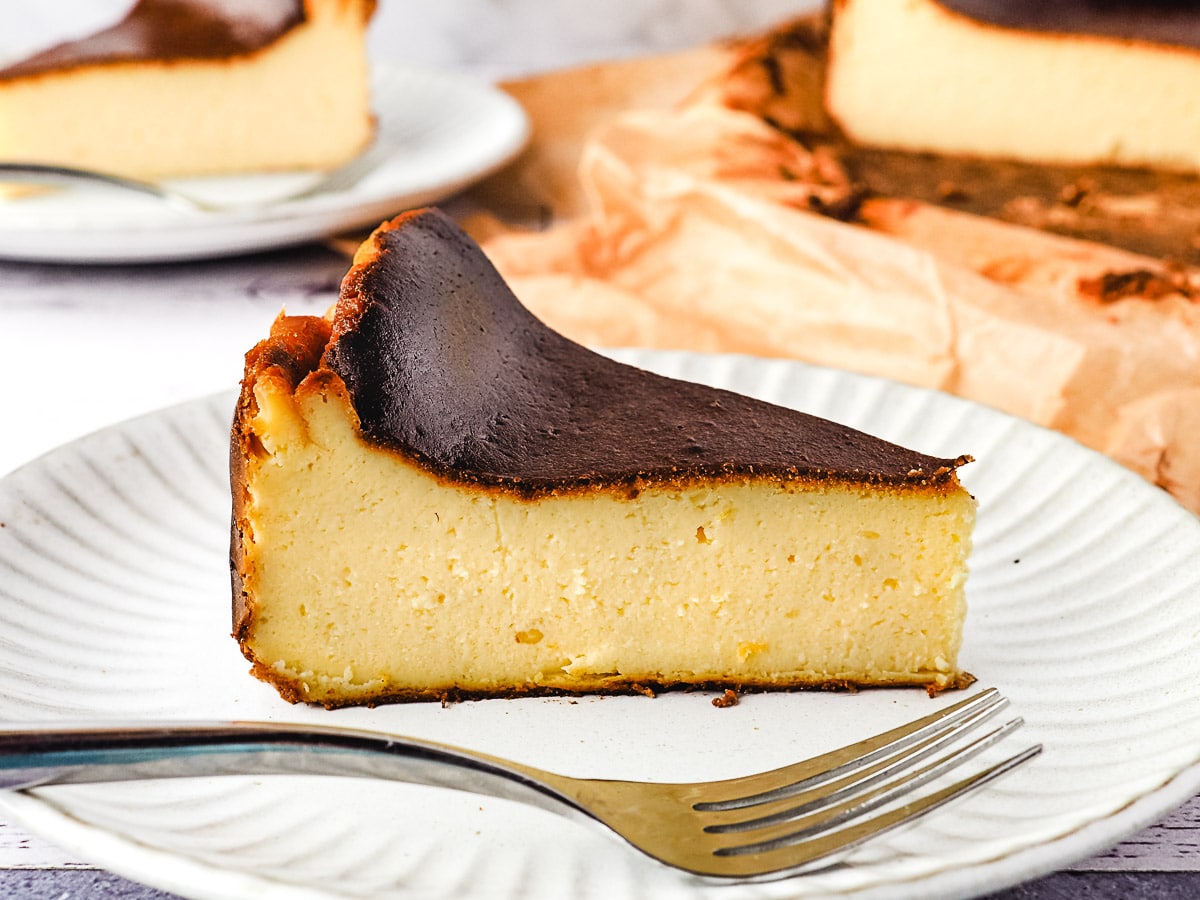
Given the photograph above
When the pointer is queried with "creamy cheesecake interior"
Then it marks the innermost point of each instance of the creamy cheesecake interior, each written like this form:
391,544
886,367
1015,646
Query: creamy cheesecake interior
382,579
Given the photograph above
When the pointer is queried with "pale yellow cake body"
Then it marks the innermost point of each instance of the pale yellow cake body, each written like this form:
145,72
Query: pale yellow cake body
301,102
366,575
909,74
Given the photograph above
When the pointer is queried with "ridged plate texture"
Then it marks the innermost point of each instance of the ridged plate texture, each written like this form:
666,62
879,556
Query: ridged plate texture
1084,610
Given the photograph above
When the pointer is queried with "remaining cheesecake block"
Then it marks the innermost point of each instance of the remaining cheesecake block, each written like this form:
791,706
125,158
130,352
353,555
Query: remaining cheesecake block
1072,81
434,494
197,87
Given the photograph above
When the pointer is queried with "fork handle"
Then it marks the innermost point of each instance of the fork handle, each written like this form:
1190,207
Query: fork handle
44,756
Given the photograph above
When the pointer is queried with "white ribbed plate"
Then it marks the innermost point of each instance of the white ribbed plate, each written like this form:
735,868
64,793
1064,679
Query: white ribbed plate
443,131
1084,610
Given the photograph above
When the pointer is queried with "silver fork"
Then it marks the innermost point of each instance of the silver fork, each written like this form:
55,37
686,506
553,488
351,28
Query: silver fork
783,822
342,178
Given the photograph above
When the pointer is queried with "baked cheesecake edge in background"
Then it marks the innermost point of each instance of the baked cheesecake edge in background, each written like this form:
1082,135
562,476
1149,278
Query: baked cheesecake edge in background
187,87
1061,82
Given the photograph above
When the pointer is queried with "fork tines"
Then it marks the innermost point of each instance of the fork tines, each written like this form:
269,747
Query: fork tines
799,816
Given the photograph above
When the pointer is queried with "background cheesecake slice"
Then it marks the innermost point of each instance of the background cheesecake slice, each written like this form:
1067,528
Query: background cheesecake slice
196,87
1069,81
436,495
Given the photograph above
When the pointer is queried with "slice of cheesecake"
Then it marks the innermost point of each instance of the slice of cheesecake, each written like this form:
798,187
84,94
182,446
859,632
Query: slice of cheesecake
197,87
436,495
1070,81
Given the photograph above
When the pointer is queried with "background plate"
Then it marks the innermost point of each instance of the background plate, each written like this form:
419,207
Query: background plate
1084,610
447,131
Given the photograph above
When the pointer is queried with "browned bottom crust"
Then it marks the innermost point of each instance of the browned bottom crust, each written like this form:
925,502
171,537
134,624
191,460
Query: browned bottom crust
291,693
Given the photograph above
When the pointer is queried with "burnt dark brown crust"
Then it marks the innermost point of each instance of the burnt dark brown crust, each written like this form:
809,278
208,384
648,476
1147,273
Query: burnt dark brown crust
1174,22
167,30
444,365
